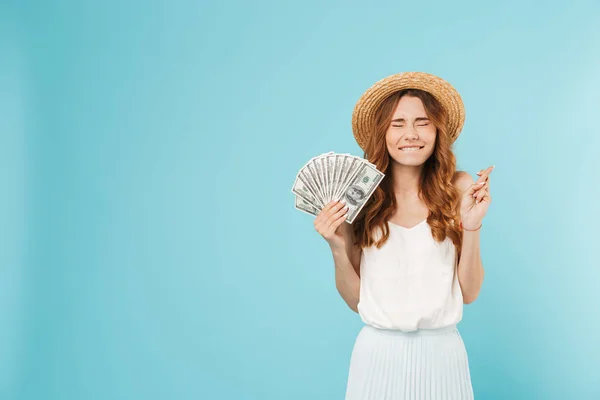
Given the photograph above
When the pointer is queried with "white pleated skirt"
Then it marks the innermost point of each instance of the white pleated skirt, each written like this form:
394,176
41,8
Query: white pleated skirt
427,364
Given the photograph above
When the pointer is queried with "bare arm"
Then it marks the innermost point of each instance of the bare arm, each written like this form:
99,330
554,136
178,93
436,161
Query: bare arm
347,275
330,223
470,266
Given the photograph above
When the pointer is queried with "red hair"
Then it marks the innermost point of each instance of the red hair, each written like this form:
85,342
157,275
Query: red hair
436,186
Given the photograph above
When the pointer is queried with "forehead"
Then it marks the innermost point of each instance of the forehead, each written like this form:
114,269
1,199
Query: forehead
409,107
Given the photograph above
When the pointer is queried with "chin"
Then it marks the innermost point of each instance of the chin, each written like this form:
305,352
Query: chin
413,164
410,163
411,158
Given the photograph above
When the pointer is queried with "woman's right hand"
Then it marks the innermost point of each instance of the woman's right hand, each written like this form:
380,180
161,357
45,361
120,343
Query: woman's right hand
328,222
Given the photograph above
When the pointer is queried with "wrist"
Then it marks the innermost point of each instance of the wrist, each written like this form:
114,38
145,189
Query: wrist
337,248
470,226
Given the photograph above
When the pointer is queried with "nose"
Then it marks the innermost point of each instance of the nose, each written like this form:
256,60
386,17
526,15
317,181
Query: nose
412,132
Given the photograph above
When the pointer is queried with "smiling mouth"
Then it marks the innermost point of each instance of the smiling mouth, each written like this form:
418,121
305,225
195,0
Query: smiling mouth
409,149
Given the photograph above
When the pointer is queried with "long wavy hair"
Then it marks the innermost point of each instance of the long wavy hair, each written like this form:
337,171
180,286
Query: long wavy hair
436,186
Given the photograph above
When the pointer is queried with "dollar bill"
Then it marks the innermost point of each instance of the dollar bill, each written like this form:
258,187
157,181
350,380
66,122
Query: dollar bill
330,162
311,169
360,189
305,206
318,168
353,164
302,189
331,176
337,171
309,181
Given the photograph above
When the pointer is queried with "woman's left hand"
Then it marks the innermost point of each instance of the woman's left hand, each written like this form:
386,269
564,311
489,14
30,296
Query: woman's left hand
475,201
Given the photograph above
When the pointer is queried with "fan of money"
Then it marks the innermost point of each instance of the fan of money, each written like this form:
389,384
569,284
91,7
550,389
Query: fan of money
333,177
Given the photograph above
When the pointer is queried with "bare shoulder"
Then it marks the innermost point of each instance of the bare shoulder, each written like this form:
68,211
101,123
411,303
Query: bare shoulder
462,180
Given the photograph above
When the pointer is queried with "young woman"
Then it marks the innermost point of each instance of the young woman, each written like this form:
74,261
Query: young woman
411,259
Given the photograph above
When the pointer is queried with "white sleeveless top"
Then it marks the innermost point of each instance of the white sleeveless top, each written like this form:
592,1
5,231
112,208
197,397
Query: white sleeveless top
410,282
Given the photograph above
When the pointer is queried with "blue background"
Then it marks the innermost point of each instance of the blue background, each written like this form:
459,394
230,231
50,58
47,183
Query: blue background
149,244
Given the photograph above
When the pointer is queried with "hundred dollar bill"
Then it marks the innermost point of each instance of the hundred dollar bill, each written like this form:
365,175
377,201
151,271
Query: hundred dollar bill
318,167
323,168
305,206
337,172
353,164
307,178
325,171
311,173
341,168
362,186
302,188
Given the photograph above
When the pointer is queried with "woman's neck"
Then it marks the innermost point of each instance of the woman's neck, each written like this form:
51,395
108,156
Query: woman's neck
406,180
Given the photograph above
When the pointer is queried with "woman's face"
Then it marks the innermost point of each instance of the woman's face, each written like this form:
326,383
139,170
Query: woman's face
410,127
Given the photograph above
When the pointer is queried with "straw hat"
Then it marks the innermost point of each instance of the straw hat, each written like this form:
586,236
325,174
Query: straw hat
363,116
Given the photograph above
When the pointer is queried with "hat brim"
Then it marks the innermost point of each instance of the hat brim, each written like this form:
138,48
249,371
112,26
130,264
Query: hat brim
363,116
